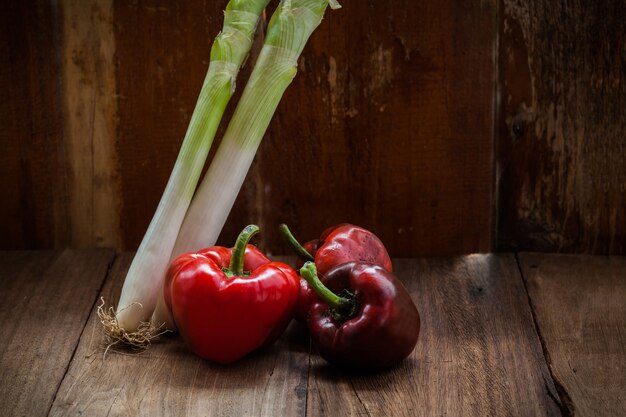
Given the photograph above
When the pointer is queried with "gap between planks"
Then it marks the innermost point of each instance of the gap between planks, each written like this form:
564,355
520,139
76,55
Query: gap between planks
561,397
93,306
579,304
46,296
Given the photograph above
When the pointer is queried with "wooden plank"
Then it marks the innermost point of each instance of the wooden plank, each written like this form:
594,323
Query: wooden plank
388,124
31,161
45,299
579,304
478,352
562,117
90,110
168,380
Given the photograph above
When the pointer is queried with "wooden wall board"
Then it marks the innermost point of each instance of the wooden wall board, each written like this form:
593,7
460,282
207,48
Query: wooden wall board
478,352
89,95
580,308
388,125
45,299
168,380
32,213
396,88
562,117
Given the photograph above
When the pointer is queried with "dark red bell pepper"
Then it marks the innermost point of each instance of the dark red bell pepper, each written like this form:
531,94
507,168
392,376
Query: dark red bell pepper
363,318
340,244
337,245
228,302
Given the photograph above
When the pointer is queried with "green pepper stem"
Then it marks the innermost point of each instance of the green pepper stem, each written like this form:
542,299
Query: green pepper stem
239,250
293,242
309,273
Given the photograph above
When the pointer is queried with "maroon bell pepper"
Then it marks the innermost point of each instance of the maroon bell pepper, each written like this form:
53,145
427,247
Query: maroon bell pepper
340,244
363,317
337,245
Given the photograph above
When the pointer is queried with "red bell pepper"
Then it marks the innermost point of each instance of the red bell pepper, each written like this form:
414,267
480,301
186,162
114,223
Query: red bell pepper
337,245
371,325
228,302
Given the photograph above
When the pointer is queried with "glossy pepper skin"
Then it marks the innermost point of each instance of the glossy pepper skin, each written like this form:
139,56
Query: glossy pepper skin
347,243
253,259
376,326
224,313
336,245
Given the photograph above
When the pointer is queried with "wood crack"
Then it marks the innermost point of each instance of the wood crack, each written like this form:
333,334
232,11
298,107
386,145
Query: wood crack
564,401
115,399
358,397
551,395
568,408
308,383
84,328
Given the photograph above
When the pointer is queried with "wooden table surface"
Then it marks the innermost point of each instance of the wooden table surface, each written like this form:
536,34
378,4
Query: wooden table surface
502,335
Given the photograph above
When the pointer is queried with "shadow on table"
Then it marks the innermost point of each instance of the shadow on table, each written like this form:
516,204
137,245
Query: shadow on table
379,379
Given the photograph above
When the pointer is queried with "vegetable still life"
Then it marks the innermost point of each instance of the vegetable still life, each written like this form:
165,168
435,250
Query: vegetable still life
181,224
228,302
305,208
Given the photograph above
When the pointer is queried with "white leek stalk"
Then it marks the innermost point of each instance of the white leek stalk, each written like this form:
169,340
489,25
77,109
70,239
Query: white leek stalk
144,278
288,31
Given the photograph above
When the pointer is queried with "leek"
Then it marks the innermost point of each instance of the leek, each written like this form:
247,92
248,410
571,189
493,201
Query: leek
144,278
289,29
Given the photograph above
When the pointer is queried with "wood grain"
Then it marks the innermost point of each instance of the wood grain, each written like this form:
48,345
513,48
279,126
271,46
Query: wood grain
399,136
562,117
90,116
45,299
388,125
478,352
168,380
400,100
580,308
32,213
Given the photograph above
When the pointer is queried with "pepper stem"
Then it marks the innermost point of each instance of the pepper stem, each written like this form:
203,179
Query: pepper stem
342,305
293,242
239,250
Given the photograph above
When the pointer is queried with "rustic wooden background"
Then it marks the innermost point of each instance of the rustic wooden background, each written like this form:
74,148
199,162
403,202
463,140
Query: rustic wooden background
446,127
